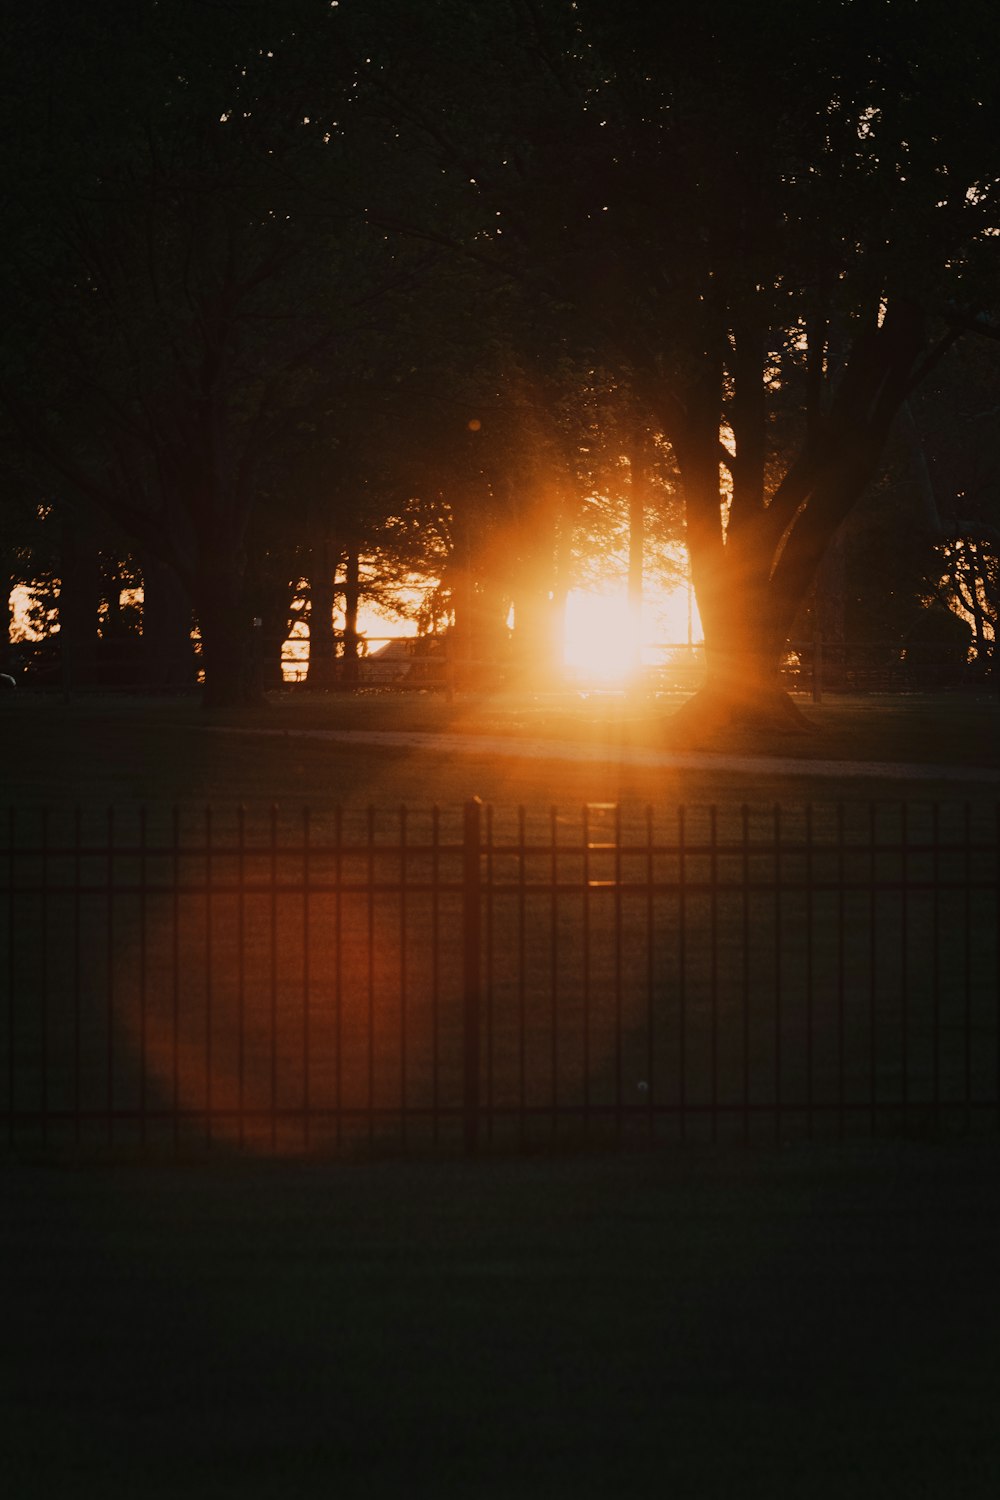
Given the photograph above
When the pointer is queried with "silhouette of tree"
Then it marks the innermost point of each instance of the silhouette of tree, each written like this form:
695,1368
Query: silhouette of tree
772,220
768,224
189,266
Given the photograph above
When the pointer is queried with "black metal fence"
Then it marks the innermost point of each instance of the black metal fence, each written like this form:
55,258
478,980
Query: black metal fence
479,977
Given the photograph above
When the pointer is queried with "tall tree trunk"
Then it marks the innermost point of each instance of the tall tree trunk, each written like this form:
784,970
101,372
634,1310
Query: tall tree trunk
352,596
730,569
974,573
273,632
166,627
746,620
489,624
79,601
230,654
7,592
321,673
753,575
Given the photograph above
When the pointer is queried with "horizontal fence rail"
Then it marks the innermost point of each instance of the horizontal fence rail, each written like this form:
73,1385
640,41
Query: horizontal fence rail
480,978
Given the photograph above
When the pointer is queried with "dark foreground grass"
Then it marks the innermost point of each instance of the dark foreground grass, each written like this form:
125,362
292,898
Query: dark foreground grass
812,1322
105,750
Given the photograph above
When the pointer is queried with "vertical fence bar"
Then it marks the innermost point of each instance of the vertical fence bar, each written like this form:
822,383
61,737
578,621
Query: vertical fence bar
11,970
682,969
904,912
553,968
435,971
209,852
273,1014
521,975
713,978
43,978
810,996
175,951
488,995
471,973
777,973
241,990
402,974
554,965
586,971
143,1020
306,980
936,961
745,871
650,1078
110,961
841,877
77,960
872,966
967,957
618,972
338,968
371,975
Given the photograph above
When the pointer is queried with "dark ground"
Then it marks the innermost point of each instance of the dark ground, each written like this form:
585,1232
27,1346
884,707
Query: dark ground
126,750
814,1322
808,1321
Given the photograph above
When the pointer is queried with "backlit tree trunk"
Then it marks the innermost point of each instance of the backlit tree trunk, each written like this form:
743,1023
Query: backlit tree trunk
166,627
7,592
754,568
229,651
352,596
273,632
79,597
321,674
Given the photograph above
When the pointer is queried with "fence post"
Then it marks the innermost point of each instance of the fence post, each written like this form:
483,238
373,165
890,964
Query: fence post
471,956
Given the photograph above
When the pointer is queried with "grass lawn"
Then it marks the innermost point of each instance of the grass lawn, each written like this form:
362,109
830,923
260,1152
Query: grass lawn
707,1324
105,750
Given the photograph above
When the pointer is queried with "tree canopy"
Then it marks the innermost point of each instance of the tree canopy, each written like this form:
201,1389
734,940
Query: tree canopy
761,228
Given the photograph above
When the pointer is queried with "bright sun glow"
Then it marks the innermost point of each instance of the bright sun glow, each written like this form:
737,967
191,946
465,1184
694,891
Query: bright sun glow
601,636
603,642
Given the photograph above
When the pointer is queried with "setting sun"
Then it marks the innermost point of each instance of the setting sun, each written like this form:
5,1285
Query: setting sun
603,642
601,636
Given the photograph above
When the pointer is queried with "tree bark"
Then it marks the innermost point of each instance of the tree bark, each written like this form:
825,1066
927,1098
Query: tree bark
753,574
321,673
79,599
273,631
7,591
166,627
350,675
229,652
